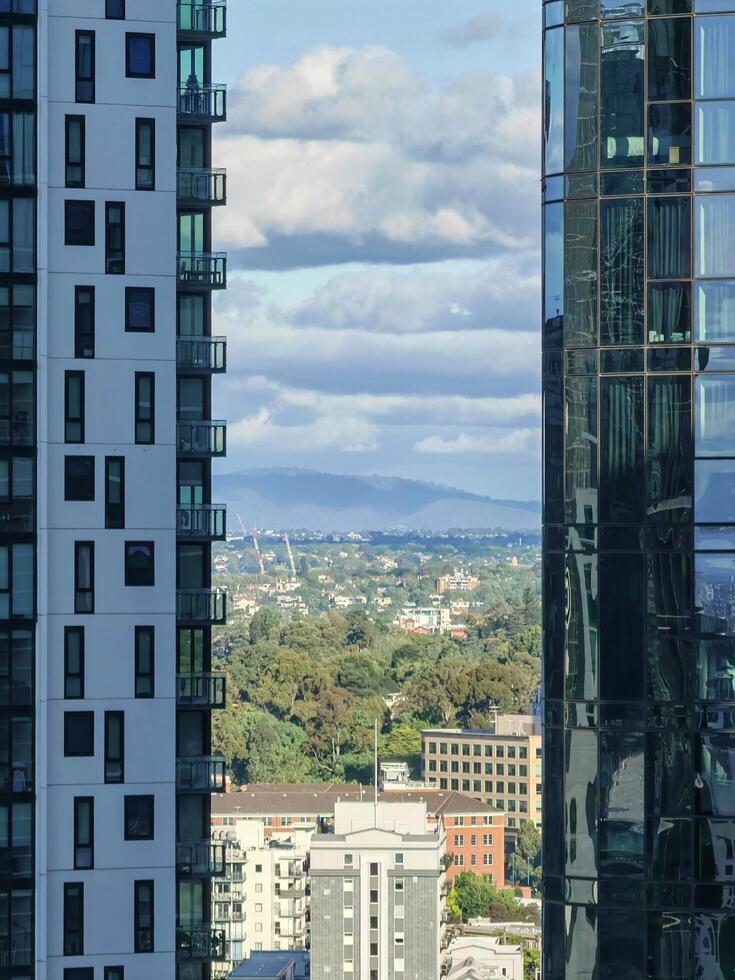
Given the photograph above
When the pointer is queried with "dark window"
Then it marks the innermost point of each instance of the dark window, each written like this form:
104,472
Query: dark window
115,238
140,55
84,576
114,747
74,151
73,919
79,973
139,563
114,973
143,916
145,154
139,818
84,321
669,60
669,238
79,478
83,832
144,407
73,661
84,66
114,491
78,733
144,661
140,309
114,10
74,406
79,222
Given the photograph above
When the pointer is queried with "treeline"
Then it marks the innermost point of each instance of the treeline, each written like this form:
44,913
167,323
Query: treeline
303,695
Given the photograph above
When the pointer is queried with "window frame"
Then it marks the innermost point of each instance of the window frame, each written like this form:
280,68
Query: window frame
78,590
114,264
88,207
90,491
79,345
69,377
130,546
70,948
92,80
140,122
151,803
140,35
140,675
114,973
109,16
130,292
112,522
88,801
118,760
81,121
138,887
68,717
70,631
140,377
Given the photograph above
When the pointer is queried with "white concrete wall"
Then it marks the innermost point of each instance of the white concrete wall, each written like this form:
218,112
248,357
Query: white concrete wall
150,225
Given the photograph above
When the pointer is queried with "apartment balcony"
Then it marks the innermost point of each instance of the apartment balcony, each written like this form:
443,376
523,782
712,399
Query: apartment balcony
207,521
200,774
205,20
200,942
290,893
202,270
202,354
206,607
201,186
202,103
200,859
200,691
203,438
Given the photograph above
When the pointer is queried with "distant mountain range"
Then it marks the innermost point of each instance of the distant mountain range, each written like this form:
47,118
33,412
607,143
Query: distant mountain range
292,498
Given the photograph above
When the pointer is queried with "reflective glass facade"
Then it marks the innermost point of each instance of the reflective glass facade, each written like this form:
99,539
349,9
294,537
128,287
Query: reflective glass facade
639,489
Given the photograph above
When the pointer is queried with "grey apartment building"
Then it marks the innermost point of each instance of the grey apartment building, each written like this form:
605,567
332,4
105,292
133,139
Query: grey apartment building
639,489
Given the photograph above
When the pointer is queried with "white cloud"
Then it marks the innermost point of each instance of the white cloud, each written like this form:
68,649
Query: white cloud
340,433
518,442
481,27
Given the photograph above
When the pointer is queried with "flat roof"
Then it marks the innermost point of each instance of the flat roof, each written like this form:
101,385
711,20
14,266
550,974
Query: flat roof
318,799
272,963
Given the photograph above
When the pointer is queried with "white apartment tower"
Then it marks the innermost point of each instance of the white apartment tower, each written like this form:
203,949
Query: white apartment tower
106,520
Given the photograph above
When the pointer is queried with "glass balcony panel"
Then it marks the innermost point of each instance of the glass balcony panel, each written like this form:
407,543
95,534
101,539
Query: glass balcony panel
205,103
202,353
201,438
206,17
200,859
201,186
201,605
203,521
201,690
199,942
200,774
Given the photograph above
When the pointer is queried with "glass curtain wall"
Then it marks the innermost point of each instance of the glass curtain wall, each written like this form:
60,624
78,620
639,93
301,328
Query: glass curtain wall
639,489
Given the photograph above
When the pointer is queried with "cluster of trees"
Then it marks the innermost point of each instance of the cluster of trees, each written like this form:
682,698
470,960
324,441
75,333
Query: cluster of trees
303,695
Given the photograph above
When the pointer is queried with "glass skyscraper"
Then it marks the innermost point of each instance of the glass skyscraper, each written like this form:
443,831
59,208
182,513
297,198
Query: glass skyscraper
639,489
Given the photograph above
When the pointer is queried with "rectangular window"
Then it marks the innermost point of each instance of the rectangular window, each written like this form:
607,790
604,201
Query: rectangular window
139,563
84,321
115,238
79,478
114,10
84,66
143,916
144,407
74,151
84,577
145,154
73,661
79,973
114,491
73,918
114,973
140,309
139,812
83,832
114,747
74,406
78,733
140,55
78,222
144,662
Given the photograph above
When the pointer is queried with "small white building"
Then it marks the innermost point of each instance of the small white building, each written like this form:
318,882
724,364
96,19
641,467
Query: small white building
483,958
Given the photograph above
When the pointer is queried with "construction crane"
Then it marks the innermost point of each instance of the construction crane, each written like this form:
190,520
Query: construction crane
254,536
290,554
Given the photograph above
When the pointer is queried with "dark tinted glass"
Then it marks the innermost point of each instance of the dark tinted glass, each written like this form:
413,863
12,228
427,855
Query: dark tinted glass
580,122
622,940
79,478
669,59
621,79
669,448
79,222
621,450
670,135
669,238
622,578
581,634
669,313
580,274
621,271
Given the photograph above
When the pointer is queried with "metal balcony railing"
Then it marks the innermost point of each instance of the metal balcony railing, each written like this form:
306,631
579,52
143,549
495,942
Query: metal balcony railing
205,606
207,18
200,859
203,103
203,521
203,438
200,774
202,354
200,942
205,690
201,186
202,270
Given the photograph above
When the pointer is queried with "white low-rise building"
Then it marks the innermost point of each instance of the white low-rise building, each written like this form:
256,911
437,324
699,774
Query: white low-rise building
483,958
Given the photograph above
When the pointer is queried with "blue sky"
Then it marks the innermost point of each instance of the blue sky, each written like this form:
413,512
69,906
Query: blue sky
382,230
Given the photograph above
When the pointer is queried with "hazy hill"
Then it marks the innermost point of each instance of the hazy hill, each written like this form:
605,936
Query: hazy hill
291,498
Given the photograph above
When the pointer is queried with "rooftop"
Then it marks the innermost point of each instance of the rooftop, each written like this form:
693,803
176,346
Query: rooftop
318,799
273,965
